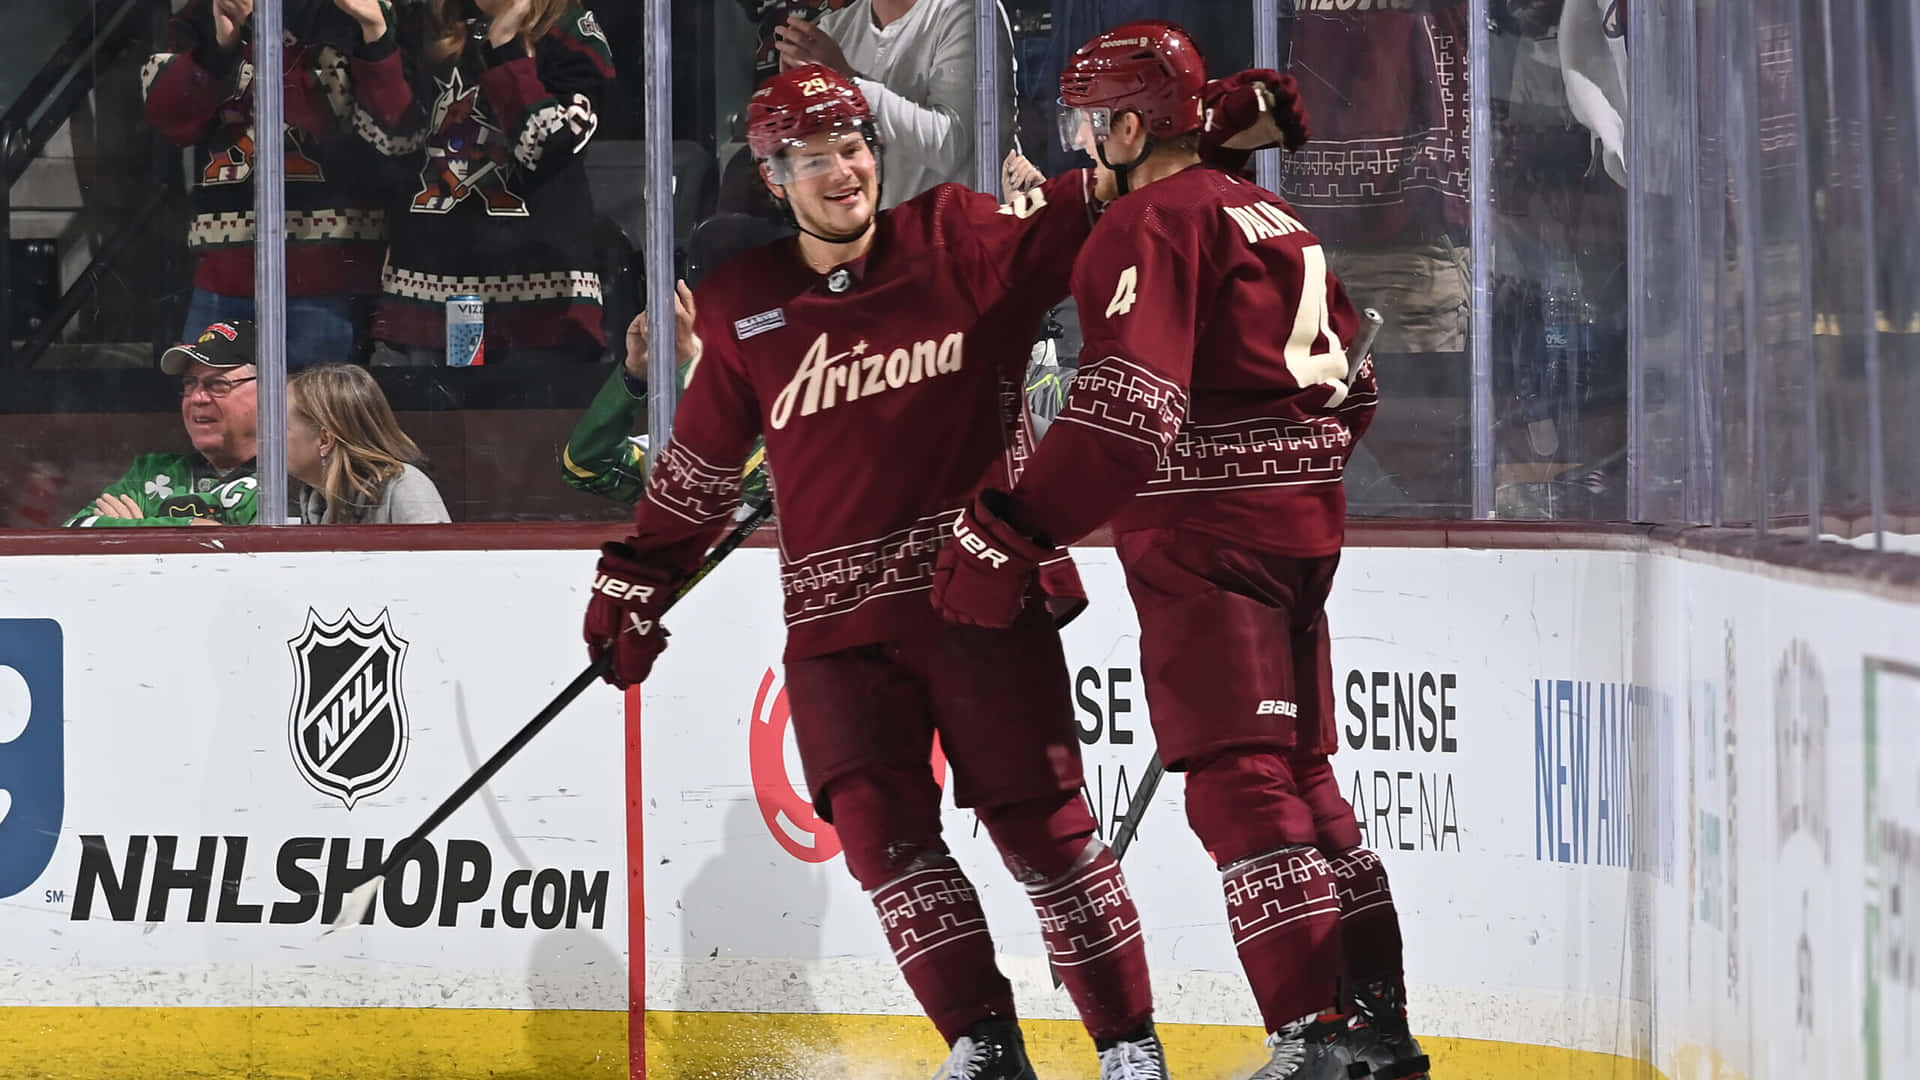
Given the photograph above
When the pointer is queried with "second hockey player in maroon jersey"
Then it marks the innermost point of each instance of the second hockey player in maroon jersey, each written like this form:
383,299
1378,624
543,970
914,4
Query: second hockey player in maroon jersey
880,355
1214,410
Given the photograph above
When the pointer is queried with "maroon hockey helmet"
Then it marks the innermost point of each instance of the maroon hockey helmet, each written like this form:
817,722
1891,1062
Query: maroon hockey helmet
1148,67
805,101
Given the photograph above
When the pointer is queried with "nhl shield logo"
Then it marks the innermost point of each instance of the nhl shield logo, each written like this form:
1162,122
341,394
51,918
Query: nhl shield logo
348,724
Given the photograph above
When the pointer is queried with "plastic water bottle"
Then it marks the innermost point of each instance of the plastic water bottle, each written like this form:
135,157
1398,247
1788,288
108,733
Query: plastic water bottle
1560,317
1561,344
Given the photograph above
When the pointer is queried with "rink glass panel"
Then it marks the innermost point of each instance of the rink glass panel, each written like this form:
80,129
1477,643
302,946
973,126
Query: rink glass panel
1703,314
80,392
1385,185
1893,102
101,274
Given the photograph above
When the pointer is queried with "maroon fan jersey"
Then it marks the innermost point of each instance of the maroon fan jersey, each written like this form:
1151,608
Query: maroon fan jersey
1387,89
885,406
201,96
1214,380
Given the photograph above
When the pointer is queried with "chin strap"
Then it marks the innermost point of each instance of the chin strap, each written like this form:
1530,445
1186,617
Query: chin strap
1123,174
845,238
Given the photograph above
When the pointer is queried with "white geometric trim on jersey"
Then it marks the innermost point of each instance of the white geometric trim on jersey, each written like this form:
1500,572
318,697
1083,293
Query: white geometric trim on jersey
1258,890
1377,171
941,893
237,227
1147,492
899,562
335,77
1119,397
1349,869
1086,915
709,492
1257,452
493,288
1017,440
384,140
534,132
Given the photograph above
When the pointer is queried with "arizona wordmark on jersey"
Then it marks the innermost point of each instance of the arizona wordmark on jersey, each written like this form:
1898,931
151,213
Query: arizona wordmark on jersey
861,370
887,389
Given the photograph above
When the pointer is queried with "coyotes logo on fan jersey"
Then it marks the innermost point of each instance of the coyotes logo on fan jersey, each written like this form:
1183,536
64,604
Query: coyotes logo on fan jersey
233,164
467,154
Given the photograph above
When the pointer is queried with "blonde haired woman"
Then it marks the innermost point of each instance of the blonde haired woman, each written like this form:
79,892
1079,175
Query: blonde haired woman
345,445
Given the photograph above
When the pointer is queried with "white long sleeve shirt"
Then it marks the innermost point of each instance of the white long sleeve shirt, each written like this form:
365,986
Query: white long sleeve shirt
917,74
1593,53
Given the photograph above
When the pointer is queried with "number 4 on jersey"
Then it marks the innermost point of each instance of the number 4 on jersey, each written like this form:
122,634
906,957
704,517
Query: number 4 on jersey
1125,293
1310,324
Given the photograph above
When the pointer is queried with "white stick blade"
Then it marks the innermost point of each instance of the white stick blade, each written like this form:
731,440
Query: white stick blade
355,906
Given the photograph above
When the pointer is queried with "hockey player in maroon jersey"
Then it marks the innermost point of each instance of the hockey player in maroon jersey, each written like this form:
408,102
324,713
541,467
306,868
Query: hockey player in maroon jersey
880,355
1209,423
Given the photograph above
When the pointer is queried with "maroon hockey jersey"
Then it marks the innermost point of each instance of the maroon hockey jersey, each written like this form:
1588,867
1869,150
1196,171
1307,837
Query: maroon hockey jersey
201,96
1386,86
885,407
1214,390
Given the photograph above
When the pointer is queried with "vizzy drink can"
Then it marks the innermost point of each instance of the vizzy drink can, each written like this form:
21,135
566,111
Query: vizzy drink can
466,331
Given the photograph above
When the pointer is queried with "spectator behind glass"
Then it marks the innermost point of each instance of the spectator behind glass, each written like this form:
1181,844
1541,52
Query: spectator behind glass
199,94
215,484
490,103
345,445
913,59
603,456
767,16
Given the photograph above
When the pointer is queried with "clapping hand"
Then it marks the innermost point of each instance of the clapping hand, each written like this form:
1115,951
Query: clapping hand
229,18
801,43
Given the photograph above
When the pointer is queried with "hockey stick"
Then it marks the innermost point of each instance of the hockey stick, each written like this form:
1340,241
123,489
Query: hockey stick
355,907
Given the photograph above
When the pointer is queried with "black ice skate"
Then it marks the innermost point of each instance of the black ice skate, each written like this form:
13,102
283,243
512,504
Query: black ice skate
1380,1034
1313,1048
1138,1057
990,1050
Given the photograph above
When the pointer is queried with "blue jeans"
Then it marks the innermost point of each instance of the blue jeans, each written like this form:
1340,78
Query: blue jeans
319,328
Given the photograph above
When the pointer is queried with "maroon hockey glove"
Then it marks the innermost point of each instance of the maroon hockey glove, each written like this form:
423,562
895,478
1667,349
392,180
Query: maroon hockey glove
1251,110
623,614
1060,581
986,571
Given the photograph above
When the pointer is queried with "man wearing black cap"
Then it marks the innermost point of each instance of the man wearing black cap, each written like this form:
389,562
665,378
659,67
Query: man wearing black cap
214,485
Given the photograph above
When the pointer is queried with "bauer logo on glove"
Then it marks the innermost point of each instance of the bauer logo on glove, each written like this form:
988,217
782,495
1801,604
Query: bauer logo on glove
993,586
623,628
622,590
975,545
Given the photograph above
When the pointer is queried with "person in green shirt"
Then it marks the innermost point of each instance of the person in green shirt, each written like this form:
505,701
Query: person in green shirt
603,456
215,484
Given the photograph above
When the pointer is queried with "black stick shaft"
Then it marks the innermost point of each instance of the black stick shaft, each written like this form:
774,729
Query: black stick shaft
565,698
1137,809
1129,825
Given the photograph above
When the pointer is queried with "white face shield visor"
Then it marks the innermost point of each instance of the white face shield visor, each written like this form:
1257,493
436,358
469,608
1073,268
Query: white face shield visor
1084,128
819,154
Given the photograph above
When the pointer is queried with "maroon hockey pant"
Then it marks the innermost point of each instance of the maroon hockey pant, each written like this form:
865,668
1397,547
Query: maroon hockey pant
999,701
